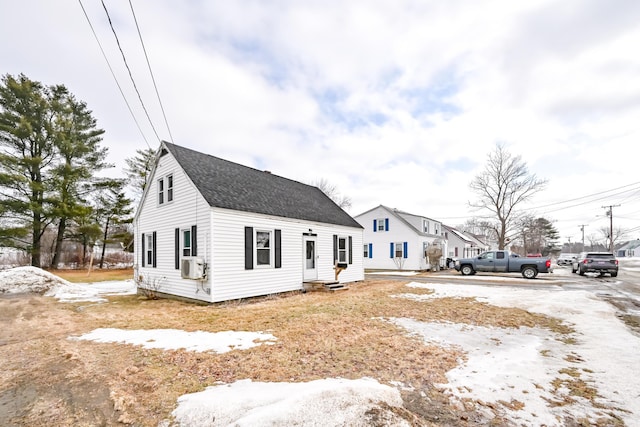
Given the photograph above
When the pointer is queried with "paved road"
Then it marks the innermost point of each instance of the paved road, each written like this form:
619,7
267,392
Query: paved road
623,292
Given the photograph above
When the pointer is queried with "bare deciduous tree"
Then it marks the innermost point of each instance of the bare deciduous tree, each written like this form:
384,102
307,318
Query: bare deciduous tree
332,192
504,185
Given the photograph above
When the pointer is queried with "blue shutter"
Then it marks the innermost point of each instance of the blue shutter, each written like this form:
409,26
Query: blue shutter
370,250
386,224
405,247
375,225
391,250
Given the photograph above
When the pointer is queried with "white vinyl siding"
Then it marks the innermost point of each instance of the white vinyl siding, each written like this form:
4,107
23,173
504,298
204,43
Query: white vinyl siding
191,210
231,279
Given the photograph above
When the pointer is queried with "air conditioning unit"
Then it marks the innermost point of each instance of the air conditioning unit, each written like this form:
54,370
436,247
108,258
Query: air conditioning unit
192,268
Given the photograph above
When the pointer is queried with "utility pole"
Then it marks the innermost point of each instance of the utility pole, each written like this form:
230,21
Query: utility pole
582,229
610,214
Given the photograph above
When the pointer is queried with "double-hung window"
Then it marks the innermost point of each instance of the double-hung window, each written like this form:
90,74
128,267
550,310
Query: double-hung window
165,189
150,249
342,249
399,252
366,251
161,191
425,226
169,188
381,222
263,248
186,242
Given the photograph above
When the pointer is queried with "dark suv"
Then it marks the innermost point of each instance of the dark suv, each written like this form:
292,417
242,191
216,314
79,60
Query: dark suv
595,262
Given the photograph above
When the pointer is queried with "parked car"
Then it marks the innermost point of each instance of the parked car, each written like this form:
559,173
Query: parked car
504,262
595,262
566,258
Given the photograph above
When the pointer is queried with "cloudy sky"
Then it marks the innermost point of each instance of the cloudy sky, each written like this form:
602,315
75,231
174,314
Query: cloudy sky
394,102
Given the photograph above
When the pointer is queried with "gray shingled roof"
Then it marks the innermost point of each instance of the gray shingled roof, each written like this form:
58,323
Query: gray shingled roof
229,185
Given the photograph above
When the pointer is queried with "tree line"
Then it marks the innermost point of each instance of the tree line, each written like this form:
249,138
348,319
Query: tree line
51,155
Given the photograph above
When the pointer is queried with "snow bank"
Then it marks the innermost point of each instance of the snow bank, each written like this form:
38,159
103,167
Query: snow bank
326,402
173,339
521,364
23,280
91,292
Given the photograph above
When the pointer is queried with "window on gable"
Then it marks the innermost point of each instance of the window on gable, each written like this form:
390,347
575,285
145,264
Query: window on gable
381,222
169,188
263,248
161,191
343,252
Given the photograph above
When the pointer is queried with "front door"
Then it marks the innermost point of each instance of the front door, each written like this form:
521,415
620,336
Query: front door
309,262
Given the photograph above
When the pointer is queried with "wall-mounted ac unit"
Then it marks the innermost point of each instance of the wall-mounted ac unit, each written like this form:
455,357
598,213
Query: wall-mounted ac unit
192,268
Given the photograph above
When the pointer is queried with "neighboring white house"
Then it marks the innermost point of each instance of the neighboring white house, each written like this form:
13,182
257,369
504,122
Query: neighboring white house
399,240
461,244
213,230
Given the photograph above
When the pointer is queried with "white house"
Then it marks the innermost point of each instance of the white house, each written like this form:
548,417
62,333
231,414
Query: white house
397,240
212,230
461,244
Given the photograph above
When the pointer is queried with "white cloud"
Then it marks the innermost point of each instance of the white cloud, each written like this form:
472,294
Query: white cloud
377,97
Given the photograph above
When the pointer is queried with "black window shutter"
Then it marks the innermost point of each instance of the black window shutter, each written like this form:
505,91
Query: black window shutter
155,249
194,240
144,255
335,248
248,248
176,249
350,250
278,238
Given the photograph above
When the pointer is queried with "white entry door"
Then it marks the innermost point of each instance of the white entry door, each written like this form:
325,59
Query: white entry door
309,262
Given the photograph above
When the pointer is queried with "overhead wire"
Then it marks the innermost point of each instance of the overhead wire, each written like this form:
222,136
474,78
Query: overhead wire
150,71
124,58
113,74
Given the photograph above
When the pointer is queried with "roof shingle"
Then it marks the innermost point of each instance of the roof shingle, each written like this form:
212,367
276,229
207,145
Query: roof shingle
229,185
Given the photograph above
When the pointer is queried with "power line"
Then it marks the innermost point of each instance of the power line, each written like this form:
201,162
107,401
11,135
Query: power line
124,58
151,72
589,196
113,74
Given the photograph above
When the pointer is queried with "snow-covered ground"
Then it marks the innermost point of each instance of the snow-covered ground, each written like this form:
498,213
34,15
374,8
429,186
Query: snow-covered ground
503,365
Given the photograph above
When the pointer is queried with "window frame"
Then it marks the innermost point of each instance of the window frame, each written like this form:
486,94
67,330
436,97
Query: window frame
270,248
343,251
169,188
160,184
149,249
186,244
398,247
381,224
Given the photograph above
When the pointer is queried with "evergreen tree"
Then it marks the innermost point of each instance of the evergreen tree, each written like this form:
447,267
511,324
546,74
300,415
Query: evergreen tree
26,156
50,151
77,140
113,208
138,170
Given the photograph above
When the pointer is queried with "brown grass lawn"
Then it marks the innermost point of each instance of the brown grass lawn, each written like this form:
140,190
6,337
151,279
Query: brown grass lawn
95,275
48,379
